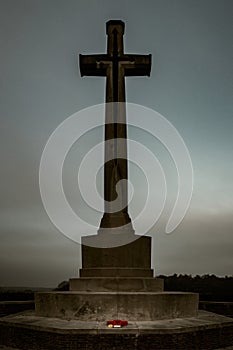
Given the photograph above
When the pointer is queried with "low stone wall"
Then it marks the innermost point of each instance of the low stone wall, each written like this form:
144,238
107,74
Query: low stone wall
218,307
12,307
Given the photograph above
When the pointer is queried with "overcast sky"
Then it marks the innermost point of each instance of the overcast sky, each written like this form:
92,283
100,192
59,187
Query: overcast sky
191,84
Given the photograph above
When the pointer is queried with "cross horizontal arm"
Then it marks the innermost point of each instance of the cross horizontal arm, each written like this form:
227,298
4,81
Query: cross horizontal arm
133,65
92,65
137,65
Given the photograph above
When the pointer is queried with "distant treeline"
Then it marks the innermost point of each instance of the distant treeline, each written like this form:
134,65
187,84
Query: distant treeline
209,287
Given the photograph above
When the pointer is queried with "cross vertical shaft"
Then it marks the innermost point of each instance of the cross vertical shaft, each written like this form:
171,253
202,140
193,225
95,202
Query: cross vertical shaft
115,65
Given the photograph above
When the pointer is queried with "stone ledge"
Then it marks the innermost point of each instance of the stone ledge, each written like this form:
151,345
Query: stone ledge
219,307
27,331
119,284
115,272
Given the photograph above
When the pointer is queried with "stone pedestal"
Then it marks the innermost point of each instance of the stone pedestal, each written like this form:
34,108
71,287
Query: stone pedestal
126,255
116,251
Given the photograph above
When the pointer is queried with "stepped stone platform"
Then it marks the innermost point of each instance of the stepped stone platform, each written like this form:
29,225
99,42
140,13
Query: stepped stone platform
30,332
116,283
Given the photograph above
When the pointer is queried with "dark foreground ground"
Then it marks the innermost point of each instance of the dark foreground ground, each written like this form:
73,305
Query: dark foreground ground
206,331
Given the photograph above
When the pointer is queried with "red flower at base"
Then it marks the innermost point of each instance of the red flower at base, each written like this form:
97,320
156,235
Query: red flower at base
116,323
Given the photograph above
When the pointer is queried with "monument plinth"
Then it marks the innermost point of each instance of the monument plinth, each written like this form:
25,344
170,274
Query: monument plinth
116,279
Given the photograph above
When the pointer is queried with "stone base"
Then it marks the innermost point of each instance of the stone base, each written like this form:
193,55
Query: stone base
29,332
101,306
117,250
116,284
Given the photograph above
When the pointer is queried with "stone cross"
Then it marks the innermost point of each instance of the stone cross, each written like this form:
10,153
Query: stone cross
115,66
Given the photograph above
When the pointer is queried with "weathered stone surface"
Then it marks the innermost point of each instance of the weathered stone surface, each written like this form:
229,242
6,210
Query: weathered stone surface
136,284
100,306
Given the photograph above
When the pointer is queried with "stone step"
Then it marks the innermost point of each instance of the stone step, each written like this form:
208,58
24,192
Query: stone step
115,272
102,306
123,284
